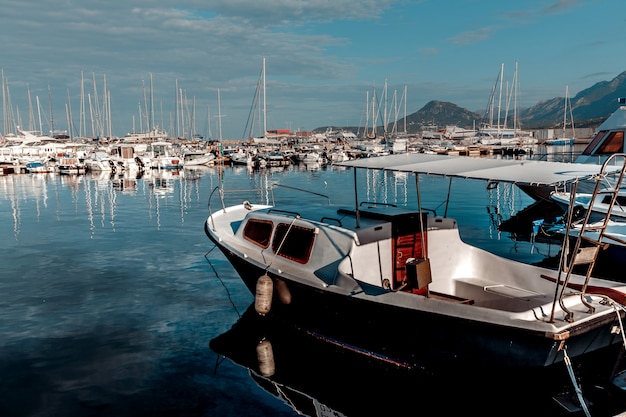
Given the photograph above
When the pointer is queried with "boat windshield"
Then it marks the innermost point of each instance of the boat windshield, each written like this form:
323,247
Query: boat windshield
296,245
258,232
613,143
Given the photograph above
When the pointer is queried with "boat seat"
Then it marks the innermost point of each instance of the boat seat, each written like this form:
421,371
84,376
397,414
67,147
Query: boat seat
497,295
448,297
498,288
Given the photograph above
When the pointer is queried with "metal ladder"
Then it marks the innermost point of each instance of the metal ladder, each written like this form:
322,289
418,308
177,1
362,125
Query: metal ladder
607,182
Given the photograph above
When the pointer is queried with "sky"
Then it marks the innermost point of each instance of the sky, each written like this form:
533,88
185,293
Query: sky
196,64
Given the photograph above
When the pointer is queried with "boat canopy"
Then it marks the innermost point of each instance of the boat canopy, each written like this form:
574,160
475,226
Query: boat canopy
520,172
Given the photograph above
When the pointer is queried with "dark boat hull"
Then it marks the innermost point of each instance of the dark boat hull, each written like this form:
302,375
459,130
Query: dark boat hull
311,373
417,338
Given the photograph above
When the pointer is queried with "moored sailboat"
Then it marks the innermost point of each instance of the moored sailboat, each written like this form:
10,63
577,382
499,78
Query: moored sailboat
563,139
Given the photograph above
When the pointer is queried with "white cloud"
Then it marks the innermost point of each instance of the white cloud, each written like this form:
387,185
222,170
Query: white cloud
322,55
204,45
472,36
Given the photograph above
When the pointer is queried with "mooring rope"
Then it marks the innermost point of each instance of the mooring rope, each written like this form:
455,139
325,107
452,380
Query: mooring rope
206,256
579,392
285,397
218,361
617,307
282,242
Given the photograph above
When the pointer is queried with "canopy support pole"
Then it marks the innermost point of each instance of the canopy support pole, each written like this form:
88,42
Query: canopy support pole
356,202
445,213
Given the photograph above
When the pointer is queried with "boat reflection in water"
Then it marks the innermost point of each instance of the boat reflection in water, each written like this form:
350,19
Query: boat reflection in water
318,376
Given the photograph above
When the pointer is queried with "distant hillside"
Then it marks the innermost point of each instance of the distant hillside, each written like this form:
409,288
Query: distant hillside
590,108
440,113
435,114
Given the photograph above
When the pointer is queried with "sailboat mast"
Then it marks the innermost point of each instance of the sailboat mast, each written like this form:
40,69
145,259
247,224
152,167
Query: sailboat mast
82,123
571,114
50,105
95,124
68,111
110,121
565,111
182,114
145,106
177,108
4,106
106,109
367,113
151,103
208,134
140,118
374,115
405,92
91,115
500,96
385,121
264,103
31,115
219,117
515,86
39,114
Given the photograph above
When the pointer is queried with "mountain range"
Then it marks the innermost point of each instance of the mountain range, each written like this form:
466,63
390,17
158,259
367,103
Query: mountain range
590,107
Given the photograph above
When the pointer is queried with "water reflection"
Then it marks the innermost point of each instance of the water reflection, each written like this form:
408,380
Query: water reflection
97,196
114,305
318,377
559,153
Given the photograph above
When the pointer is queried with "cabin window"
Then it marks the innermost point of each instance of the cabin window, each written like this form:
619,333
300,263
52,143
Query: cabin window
297,244
620,200
594,142
258,232
613,143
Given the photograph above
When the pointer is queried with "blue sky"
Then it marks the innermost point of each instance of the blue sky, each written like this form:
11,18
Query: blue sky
323,57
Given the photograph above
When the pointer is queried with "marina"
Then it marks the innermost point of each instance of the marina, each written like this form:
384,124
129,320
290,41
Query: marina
286,209
31,154
112,304
118,302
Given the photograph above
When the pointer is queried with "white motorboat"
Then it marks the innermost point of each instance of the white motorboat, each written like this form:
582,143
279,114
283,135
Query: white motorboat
600,203
196,158
403,284
162,155
69,166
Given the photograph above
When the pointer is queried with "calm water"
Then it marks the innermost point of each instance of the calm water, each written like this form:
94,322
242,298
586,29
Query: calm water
108,304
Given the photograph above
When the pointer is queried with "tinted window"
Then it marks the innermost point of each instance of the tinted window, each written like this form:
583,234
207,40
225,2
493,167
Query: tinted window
620,200
258,232
614,143
297,244
594,142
